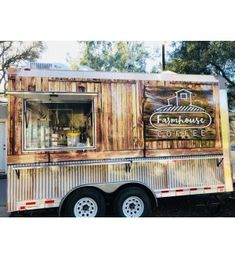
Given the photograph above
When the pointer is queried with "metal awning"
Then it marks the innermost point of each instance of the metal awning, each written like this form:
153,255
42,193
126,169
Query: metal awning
53,96
50,97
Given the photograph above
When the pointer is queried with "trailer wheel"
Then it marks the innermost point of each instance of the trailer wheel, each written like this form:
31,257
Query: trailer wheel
86,202
132,202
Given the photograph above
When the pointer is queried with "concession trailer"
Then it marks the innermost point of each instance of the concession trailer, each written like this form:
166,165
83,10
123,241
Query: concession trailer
79,140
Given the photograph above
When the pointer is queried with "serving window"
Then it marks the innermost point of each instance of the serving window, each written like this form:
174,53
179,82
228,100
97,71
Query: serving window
58,125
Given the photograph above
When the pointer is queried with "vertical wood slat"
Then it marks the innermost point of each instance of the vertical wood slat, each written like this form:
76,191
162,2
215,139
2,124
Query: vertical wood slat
118,111
18,126
140,125
98,112
116,115
51,85
128,121
217,116
134,116
9,85
106,117
119,117
38,84
62,86
125,118
45,85
9,128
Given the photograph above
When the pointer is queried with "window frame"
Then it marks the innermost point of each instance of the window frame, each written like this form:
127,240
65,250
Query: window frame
184,94
54,149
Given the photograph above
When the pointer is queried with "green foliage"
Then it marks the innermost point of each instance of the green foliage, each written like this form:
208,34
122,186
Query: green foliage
16,52
119,56
206,57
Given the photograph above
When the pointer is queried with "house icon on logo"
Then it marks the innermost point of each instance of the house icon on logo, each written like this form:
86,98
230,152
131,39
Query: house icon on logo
180,113
180,102
182,98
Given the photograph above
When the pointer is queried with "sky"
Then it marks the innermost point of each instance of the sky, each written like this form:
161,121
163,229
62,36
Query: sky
57,51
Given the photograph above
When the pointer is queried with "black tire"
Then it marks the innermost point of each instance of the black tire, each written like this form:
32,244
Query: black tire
92,199
132,202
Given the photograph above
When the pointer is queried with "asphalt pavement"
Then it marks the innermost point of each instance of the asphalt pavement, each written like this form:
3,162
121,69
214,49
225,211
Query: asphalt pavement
3,196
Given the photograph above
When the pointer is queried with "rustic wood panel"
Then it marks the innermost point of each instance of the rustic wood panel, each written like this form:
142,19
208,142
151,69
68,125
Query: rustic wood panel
117,111
70,156
139,116
218,142
9,129
183,152
17,85
157,95
18,125
27,158
97,115
50,84
105,117
119,120
119,117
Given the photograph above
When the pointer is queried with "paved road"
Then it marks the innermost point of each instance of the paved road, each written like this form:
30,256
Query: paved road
3,196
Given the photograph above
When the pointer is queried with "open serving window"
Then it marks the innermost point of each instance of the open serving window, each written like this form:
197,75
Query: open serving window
58,121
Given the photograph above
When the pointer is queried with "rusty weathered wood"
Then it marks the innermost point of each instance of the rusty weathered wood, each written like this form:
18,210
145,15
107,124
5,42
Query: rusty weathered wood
71,156
183,151
9,130
154,99
119,119
130,120
106,118
45,84
217,116
97,108
27,158
18,126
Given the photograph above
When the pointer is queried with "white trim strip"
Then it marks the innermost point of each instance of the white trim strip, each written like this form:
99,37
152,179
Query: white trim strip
189,191
165,76
38,204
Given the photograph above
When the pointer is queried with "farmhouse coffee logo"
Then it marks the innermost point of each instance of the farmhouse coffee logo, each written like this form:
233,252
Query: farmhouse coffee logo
180,113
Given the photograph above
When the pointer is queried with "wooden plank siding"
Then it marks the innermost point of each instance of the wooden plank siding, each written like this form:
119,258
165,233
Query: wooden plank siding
154,99
120,118
116,119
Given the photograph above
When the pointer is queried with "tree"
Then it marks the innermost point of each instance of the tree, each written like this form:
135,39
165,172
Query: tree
206,57
119,56
16,52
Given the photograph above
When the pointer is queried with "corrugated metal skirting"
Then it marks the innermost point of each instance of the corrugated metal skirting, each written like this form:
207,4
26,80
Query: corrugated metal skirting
55,181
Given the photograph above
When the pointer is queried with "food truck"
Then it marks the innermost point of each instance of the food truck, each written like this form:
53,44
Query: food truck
77,139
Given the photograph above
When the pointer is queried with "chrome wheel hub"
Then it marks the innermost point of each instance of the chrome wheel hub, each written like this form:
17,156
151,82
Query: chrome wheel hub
85,207
133,207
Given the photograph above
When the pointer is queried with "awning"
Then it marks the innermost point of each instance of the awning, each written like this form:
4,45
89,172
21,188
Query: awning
53,96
